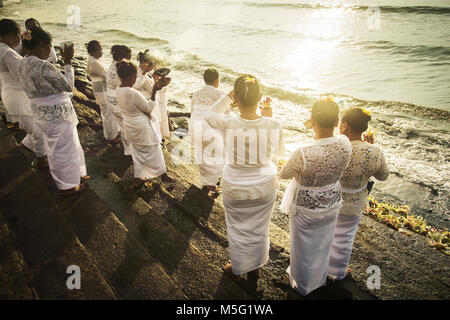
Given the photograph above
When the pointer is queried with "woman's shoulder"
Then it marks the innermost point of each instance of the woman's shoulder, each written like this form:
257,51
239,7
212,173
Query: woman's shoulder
272,122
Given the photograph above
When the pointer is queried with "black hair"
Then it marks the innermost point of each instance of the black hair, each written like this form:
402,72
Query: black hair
144,57
247,90
92,46
126,69
32,20
325,113
120,52
357,119
8,26
210,75
38,35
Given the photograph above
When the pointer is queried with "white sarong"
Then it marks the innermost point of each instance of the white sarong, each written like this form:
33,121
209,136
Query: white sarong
311,236
344,236
248,219
64,152
342,245
18,108
148,161
210,144
144,138
113,106
109,121
34,140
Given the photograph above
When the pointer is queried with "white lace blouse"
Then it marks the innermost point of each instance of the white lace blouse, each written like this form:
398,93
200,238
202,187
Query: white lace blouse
317,167
41,80
97,71
112,78
206,96
367,161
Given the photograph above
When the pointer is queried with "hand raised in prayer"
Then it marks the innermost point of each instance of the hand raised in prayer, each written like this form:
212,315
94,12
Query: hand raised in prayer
266,112
67,54
233,98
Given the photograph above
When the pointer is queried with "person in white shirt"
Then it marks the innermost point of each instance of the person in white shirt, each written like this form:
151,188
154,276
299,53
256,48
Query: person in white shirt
97,72
207,140
367,161
50,93
314,197
15,100
139,127
249,180
144,82
119,53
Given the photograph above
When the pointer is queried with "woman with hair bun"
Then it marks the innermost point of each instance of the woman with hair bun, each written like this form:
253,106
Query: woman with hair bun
119,53
97,72
314,198
367,161
139,127
249,179
144,82
15,100
50,93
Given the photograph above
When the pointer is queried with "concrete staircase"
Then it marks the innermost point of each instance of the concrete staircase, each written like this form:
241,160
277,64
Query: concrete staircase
152,242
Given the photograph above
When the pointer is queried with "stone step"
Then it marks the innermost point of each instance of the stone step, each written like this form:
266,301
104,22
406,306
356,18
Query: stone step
123,261
189,267
41,234
14,276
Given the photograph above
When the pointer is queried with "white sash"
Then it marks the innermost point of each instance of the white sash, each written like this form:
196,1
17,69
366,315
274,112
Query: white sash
53,99
247,176
291,191
350,190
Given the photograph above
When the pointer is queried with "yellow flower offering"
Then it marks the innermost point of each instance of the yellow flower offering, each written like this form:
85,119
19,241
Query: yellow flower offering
266,103
366,112
371,133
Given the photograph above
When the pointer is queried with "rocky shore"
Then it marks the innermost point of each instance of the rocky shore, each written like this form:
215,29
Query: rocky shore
158,242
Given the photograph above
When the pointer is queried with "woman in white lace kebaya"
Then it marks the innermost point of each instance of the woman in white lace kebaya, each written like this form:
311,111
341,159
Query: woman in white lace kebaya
314,198
367,161
14,98
139,127
205,139
249,180
97,72
50,94
119,53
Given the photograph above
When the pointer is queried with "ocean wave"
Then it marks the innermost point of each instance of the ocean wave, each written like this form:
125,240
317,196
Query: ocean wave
392,9
428,52
131,36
